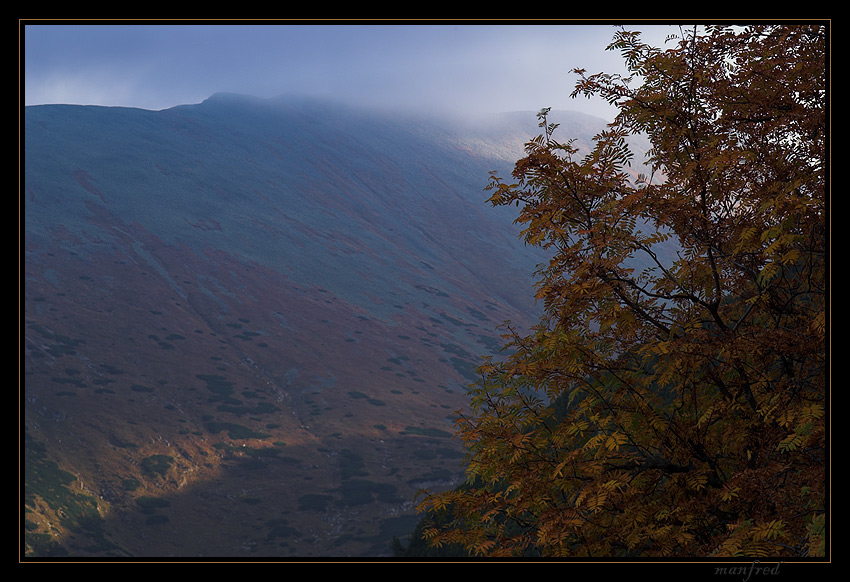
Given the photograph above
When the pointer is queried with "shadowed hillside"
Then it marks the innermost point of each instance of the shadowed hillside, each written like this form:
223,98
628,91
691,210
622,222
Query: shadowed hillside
248,323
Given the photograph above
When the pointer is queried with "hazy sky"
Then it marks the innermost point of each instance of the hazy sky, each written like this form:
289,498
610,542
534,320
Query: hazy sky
467,66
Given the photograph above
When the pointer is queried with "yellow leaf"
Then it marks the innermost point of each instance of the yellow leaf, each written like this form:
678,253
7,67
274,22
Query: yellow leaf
696,481
729,493
791,442
615,441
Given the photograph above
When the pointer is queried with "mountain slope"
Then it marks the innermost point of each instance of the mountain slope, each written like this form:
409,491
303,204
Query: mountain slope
247,323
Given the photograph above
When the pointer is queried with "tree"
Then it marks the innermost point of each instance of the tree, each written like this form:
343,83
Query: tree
672,399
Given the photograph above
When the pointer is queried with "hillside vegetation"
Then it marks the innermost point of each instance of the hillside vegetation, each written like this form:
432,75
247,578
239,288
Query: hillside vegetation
248,323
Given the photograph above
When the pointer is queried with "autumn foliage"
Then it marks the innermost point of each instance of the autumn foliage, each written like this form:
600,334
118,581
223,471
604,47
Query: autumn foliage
672,400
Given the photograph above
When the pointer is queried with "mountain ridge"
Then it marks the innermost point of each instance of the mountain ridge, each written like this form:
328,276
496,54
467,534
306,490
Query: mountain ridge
248,323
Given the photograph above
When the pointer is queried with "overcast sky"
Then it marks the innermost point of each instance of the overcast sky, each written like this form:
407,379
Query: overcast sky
467,66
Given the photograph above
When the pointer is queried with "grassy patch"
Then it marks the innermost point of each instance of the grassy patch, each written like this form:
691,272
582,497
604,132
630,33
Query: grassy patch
280,528
252,464
218,385
259,408
235,431
314,502
63,346
44,480
432,432
351,464
75,381
149,504
157,464
362,492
